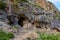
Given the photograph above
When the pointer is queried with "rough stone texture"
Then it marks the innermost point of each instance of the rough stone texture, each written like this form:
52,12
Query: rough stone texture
42,3
31,17
26,36
52,8
30,13
4,26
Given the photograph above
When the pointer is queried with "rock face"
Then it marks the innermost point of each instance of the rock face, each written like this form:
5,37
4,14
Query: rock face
4,26
52,8
42,3
28,18
29,12
31,35
46,5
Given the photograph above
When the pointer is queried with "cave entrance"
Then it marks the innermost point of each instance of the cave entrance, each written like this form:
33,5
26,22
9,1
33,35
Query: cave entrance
21,19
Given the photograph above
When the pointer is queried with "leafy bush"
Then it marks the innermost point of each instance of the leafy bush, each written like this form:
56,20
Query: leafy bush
45,36
10,35
2,5
5,36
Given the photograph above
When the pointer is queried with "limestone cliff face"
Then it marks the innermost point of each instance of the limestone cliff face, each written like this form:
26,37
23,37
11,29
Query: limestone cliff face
46,5
29,18
42,3
52,8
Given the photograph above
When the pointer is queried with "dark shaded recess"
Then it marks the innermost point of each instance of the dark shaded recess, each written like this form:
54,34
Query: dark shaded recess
56,29
39,27
10,19
28,39
43,22
21,18
32,23
1,13
20,21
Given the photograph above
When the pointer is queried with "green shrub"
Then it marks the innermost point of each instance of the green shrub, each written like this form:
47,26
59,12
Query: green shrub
10,35
2,5
45,36
5,36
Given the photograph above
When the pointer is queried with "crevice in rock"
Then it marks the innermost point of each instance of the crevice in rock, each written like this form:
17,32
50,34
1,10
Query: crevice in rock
10,19
20,21
56,29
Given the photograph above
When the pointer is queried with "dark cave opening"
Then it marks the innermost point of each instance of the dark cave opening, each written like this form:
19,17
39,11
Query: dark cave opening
20,21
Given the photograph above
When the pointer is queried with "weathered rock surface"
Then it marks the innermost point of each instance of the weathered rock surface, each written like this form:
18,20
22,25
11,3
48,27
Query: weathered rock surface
30,35
29,19
4,26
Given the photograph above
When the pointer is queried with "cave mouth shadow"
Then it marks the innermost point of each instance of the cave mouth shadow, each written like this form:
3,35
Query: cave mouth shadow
20,21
